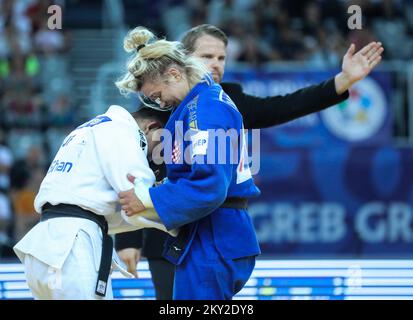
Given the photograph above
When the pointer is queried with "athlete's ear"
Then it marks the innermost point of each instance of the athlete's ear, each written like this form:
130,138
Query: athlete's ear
151,125
154,124
175,73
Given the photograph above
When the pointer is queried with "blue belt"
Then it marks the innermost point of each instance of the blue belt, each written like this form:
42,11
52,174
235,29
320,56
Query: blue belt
235,203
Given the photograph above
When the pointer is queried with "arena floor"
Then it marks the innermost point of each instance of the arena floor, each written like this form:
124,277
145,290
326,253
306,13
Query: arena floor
271,279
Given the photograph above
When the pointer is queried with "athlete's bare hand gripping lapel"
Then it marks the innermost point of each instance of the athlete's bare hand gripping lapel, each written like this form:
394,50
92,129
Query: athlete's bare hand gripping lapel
129,201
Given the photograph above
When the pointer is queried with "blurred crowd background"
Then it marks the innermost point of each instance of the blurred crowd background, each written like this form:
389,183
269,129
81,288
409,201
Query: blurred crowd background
49,79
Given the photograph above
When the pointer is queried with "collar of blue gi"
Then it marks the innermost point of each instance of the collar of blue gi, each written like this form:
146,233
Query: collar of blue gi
205,82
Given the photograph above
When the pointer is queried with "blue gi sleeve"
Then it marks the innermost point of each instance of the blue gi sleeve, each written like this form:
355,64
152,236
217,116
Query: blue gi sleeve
204,188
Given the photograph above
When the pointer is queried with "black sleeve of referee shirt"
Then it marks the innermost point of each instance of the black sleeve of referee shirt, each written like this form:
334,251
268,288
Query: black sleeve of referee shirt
132,239
260,112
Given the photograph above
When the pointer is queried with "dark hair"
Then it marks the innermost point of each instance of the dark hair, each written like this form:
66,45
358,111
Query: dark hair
189,39
150,113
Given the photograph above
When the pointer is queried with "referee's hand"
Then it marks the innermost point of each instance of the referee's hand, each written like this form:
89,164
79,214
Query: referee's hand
131,257
357,65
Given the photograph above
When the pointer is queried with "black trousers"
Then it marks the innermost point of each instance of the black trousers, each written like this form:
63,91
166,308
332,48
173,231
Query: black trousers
162,272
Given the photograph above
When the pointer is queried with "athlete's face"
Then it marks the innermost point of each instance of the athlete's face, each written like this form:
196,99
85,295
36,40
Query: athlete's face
169,90
212,52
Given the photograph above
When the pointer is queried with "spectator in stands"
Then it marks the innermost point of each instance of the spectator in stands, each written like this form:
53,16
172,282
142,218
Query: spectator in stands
15,27
266,12
37,12
392,28
6,162
252,52
326,50
27,175
62,113
6,215
221,12
49,41
5,221
236,34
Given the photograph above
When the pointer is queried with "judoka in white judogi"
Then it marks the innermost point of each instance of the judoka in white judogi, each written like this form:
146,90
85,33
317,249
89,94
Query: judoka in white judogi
62,255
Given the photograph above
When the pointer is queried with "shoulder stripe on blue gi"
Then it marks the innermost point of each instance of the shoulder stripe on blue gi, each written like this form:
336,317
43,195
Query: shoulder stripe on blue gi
208,79
226,99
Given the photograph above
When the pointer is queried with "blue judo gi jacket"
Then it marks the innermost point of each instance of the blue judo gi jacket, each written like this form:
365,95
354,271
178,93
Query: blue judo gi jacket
196,191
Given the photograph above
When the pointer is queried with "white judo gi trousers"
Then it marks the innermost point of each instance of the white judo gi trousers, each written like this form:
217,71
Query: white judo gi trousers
71,272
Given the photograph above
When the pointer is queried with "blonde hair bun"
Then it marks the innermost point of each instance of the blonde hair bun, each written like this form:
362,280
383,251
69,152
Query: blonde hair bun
137,37
151,57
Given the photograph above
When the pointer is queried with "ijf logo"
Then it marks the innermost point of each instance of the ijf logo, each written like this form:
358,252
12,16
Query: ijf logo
361,116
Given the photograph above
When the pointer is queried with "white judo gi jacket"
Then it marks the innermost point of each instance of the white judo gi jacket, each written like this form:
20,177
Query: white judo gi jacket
89,171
